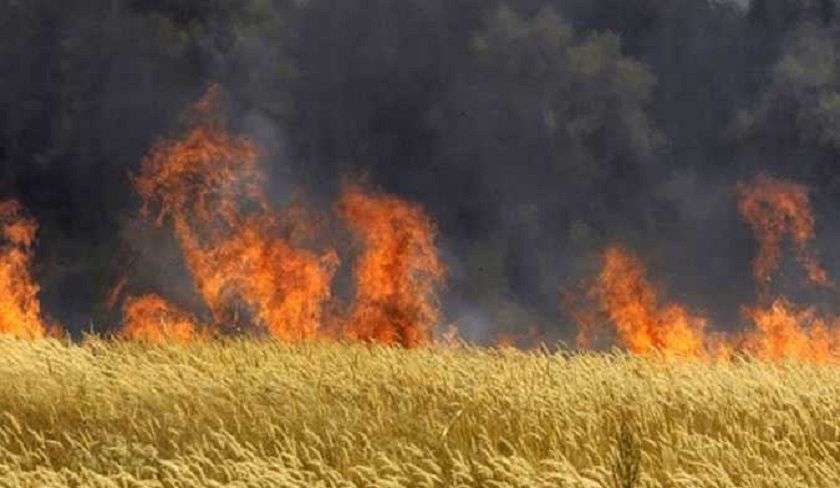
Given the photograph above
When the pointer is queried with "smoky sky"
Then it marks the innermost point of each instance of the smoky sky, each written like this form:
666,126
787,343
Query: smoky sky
534,132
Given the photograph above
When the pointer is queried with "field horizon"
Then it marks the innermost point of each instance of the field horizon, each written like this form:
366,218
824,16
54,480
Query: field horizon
242,412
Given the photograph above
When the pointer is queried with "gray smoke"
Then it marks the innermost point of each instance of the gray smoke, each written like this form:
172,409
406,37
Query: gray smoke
533,131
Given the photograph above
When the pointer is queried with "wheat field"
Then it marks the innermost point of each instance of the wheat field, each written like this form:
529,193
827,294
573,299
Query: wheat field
259,413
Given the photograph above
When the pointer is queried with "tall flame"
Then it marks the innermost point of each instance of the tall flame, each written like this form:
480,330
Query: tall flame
20,309
631,303
399,270
285,286
774,208
209,185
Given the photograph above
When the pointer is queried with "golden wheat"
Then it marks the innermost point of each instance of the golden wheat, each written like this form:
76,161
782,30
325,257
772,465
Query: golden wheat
251,413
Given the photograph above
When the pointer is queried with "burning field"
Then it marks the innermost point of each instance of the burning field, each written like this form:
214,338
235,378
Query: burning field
315,353
268,272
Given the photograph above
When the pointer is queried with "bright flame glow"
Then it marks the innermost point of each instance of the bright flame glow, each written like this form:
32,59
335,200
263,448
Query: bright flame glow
398,272
20,309
774,208
630,302
209,186
152,319
784,331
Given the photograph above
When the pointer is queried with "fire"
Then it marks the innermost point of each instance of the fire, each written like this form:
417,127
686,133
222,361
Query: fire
286,287
152,319
247,258
785,331
208,184
398,272
20,309
775,208
204,179
630,302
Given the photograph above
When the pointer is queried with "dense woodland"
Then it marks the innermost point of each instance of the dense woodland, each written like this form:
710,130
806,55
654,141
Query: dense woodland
532,131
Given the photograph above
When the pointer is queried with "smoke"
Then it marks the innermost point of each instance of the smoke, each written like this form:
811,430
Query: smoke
534,133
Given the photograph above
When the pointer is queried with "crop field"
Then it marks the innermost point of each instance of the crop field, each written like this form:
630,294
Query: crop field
260,413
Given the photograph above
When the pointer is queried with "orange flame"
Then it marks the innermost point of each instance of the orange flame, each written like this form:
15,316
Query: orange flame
787,332
205,177
152,319
630,302
287,287
398,272
774,208
209,185
20,309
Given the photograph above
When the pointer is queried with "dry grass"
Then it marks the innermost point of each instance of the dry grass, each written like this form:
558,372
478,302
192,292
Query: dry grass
262,414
